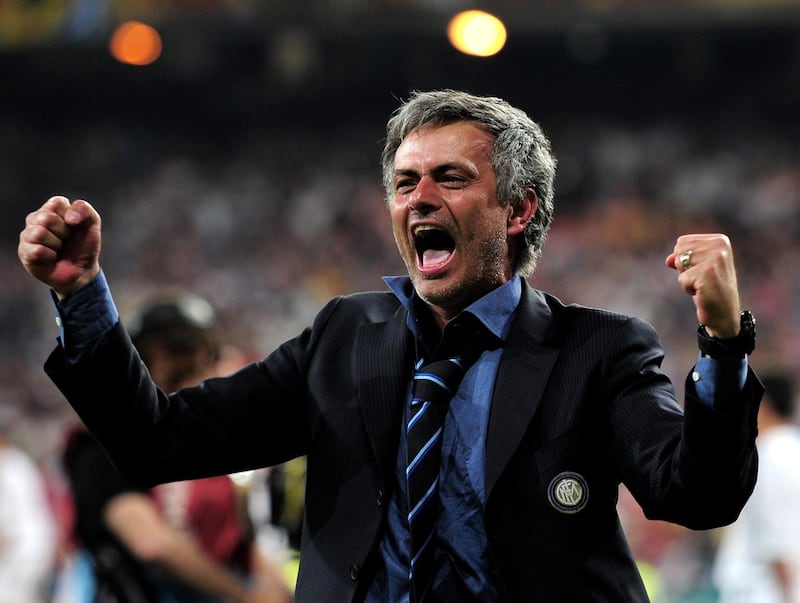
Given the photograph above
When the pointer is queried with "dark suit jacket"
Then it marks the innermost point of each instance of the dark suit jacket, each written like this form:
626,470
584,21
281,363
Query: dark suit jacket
580,405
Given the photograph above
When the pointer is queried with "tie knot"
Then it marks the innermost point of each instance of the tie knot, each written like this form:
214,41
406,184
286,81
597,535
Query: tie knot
437,380
465,337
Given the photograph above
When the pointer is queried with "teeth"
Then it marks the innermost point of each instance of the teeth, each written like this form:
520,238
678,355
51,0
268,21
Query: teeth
425,228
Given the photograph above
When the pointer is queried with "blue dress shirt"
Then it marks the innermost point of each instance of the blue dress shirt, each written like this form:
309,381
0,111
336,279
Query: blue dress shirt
463,548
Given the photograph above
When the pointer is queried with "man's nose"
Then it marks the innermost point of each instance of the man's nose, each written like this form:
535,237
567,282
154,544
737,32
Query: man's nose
426,196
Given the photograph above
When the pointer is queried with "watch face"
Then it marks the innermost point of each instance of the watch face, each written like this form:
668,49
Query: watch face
748,322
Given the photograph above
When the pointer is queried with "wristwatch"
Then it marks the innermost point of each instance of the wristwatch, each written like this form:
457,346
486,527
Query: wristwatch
730,347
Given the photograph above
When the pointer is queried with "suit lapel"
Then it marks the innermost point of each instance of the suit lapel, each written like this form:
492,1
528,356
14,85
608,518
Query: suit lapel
384,363
523,373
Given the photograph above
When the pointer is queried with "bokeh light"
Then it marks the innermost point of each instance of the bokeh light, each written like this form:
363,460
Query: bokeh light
135,43
477,33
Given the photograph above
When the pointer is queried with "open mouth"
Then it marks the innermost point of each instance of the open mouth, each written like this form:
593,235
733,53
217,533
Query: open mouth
434,246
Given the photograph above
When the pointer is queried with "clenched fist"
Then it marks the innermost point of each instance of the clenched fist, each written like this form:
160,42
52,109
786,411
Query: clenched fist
60,244
706,272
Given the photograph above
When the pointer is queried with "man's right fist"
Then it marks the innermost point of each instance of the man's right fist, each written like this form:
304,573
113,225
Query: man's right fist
60,244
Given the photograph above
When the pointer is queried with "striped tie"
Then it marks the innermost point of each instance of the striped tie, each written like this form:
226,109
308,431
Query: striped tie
434,386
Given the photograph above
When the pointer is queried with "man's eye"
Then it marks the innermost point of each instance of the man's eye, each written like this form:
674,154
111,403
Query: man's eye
453,180
403,186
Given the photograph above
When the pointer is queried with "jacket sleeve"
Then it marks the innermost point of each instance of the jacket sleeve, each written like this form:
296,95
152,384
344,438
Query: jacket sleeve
697,469
255,417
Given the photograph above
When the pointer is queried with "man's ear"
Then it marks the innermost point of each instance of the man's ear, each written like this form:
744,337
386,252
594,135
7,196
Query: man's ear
522,213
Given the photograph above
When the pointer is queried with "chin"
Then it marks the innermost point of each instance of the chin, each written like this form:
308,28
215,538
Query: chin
441,292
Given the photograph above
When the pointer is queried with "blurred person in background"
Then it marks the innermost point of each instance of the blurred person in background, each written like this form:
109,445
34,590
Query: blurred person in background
275,507
758,559
561,405
272,496
181,542
28,535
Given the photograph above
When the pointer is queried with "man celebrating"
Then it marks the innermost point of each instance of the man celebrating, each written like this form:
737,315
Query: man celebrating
466,434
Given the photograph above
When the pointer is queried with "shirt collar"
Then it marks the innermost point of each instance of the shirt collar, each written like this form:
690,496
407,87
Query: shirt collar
495,309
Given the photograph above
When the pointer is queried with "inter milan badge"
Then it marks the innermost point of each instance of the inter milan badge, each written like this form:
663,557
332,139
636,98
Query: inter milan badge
568,492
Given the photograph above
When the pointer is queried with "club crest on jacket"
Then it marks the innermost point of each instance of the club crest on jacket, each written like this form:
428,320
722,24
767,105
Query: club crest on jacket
568,492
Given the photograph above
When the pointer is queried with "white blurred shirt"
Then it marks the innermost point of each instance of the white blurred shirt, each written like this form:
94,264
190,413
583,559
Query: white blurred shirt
27,529
768,527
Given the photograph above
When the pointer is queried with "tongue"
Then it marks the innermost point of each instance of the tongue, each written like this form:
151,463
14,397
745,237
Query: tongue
435,256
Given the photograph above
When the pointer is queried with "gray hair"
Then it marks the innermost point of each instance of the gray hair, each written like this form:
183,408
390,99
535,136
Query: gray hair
522,157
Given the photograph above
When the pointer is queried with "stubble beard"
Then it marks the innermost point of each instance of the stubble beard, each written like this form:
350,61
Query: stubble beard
457,295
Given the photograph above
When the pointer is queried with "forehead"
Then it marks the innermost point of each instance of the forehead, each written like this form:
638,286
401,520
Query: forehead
451,143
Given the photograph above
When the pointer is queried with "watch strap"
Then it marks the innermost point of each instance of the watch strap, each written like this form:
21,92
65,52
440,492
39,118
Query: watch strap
729,347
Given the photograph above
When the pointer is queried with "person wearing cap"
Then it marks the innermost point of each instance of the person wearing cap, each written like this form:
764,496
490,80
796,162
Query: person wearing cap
181,542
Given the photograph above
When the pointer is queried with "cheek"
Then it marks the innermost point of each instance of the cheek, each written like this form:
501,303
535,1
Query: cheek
490,227
488,245
398,215
400,239
398,229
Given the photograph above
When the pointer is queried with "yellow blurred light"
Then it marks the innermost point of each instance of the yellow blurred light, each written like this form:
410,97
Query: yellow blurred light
477,33
135,43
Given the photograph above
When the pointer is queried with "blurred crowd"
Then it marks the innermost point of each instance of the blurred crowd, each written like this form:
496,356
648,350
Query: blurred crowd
271,224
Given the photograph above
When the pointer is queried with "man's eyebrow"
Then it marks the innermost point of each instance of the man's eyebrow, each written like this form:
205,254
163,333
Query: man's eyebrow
436,171
446,167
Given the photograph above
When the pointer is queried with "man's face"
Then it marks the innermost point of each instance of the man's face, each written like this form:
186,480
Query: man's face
449,227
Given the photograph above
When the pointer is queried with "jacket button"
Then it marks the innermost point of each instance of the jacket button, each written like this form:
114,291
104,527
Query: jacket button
379,498
354,572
